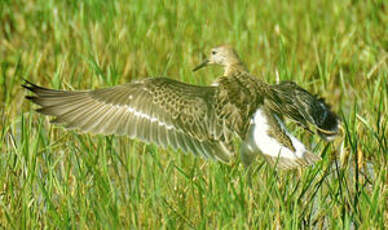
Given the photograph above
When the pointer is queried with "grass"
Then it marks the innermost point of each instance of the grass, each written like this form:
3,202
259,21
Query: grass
53,178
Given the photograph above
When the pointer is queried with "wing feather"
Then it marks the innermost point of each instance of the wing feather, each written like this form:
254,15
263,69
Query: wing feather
172,140
296,103
162,134
159,110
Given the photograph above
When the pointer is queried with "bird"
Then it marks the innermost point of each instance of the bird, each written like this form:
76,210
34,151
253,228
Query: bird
269,104
203,120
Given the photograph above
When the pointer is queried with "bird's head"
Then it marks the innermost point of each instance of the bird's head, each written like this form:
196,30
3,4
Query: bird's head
223,55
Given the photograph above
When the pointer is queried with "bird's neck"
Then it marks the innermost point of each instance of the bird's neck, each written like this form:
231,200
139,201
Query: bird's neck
233,68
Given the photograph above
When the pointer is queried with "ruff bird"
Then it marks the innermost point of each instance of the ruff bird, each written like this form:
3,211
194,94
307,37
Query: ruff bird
259,109
203,120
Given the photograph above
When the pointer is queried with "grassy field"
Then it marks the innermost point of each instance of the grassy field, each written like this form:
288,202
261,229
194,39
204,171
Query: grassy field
53,178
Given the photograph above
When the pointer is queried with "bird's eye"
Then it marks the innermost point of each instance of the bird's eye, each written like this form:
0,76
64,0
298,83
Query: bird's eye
214,52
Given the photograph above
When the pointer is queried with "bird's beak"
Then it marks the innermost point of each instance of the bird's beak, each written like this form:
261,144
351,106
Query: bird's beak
203,64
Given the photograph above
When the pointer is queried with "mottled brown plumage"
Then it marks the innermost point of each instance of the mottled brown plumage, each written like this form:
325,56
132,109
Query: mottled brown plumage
159,110
249,94
294,102
197,119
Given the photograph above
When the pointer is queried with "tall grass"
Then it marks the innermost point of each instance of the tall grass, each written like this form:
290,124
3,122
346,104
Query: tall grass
53,178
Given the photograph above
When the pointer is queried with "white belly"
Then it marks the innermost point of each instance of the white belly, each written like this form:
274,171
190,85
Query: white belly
259,139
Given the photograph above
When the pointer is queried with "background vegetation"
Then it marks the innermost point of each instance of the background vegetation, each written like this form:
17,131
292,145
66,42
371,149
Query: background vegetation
53,178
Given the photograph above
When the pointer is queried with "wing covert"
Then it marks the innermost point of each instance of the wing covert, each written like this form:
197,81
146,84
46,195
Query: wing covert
158,110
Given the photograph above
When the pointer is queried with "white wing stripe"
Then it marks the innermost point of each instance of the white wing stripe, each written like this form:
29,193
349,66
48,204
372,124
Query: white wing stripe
148,117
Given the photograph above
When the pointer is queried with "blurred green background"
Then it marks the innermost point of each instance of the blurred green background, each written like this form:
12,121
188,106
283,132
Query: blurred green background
53,178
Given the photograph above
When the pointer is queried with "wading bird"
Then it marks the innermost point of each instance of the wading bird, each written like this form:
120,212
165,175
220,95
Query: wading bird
204,120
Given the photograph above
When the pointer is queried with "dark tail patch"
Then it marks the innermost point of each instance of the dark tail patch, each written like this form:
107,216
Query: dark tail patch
326,121
303,107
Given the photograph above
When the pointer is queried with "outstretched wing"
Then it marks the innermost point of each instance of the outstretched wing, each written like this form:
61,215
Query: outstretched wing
289,99
159,110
